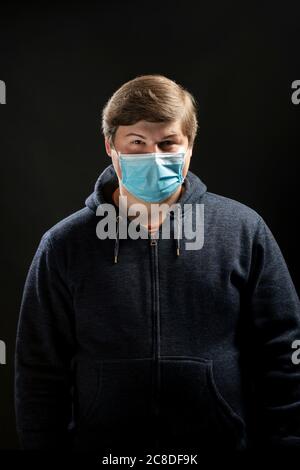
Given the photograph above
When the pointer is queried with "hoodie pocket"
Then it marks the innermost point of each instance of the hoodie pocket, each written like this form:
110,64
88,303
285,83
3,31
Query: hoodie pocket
115,403
193,409
114,396
88,380
230,417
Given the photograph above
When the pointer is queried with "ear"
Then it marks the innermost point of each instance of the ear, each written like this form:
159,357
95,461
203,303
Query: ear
107,147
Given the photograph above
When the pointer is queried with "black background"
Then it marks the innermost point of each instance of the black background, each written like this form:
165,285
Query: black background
62,62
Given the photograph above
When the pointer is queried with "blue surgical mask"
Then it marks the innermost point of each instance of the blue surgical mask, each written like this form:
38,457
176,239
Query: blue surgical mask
152,177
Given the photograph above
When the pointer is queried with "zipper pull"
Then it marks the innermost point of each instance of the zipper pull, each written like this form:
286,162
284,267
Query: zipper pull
153,239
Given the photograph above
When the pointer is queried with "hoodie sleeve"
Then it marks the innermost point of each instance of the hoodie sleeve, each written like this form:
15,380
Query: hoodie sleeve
44,350
275,317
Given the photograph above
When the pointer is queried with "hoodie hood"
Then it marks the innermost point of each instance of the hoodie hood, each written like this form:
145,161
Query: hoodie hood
107,183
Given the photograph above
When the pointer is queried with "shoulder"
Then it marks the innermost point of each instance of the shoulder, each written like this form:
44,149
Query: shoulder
231,208
233,216
74,227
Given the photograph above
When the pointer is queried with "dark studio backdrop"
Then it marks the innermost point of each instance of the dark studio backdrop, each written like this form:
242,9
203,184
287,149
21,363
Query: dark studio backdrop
60,64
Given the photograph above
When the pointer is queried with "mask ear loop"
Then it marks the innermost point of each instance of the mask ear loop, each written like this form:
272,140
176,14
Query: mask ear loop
183,163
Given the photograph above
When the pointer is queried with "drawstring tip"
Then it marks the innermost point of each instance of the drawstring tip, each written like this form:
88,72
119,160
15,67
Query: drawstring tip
116,259
178,252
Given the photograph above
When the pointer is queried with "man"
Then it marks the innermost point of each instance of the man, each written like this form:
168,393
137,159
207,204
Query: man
156,341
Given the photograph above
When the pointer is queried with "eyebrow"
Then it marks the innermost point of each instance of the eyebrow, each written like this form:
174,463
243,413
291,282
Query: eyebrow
143,137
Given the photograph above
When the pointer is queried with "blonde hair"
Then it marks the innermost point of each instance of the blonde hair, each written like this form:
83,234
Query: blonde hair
153,98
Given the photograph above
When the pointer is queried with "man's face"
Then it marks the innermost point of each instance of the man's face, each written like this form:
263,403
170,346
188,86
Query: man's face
149,137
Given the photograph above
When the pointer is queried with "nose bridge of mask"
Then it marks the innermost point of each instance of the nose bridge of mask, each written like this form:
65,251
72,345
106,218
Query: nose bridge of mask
153,155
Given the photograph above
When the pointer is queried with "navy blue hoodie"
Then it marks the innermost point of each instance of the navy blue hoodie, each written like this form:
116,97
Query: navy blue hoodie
143,342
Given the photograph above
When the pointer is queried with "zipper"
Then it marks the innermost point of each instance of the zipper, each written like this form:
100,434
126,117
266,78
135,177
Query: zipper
156,330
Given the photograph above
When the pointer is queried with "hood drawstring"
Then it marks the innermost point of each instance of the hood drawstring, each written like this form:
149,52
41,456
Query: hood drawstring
177,220
116,252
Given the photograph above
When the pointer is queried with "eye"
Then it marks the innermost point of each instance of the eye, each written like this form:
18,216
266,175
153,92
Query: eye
136,142
167,143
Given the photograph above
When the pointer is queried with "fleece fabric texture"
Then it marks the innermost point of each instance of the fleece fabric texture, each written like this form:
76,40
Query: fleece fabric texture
145,343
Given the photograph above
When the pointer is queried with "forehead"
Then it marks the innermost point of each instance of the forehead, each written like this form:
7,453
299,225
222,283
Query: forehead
152,129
